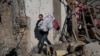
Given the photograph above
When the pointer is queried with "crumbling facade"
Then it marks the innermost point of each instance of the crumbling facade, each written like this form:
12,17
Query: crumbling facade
13,27
18,20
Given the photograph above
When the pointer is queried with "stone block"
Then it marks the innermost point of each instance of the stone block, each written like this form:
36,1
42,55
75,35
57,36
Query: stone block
61,52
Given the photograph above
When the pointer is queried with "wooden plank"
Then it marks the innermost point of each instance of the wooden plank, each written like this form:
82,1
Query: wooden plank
95,34
86,30
95,30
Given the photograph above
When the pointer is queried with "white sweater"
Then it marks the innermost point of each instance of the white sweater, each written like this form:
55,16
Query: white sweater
47,23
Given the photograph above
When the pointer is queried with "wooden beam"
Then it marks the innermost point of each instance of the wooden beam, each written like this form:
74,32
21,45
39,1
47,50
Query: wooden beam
86,30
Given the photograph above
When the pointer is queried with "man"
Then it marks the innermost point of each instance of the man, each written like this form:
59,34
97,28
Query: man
44,34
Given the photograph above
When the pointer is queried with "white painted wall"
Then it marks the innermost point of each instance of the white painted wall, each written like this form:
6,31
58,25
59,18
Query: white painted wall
32,10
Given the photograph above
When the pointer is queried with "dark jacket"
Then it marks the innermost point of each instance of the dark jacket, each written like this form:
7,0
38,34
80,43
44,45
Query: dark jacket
41,32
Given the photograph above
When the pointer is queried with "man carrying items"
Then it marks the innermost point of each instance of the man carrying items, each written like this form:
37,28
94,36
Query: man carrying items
44,25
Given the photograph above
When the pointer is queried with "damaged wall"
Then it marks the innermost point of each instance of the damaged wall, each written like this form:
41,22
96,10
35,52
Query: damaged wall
7,41
13,23
20,26
16,15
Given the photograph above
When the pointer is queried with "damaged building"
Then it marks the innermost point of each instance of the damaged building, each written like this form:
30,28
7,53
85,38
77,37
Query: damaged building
79,33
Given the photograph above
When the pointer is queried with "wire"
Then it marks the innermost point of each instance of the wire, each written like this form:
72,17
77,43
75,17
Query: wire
39,6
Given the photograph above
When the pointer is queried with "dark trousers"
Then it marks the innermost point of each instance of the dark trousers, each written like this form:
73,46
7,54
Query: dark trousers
41,42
